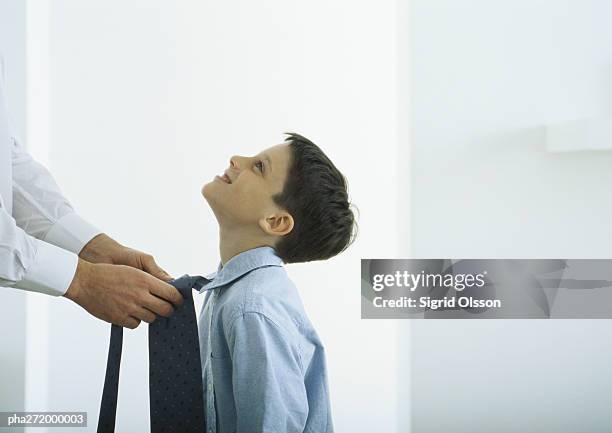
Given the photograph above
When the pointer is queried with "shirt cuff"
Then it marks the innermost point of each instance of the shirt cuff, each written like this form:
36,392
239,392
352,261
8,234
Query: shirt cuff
51,272
71,232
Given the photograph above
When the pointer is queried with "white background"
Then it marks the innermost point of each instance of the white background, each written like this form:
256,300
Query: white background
486,77
145,101
13,303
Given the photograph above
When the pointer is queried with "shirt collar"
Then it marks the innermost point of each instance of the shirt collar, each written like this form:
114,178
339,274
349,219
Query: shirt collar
240,264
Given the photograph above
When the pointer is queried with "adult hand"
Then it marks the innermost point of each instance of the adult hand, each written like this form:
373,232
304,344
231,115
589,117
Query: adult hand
104,249
121,294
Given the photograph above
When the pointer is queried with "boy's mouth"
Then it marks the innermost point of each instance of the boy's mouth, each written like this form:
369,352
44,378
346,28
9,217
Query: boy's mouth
225,178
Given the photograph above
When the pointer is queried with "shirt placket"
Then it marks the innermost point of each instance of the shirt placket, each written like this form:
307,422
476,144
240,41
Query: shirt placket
211,415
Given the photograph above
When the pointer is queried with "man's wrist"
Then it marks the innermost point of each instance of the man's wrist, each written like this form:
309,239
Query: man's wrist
100,249
81,276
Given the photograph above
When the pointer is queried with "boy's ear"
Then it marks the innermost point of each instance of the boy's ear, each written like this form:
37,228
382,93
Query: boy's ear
278,224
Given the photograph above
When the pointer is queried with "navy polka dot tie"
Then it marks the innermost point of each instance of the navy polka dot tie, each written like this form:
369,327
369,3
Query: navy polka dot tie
175,370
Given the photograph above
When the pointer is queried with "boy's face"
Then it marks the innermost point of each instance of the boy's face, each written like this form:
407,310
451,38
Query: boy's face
246,197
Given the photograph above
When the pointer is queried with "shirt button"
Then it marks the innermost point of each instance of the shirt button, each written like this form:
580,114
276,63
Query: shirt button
210,386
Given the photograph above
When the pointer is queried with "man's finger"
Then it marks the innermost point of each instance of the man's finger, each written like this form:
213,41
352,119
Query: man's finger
145,315
158,306
166,291
149,265
131,322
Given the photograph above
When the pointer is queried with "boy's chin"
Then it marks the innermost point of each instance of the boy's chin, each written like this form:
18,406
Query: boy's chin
206,190
212,197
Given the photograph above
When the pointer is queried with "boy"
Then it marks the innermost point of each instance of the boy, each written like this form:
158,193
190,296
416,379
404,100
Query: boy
263,364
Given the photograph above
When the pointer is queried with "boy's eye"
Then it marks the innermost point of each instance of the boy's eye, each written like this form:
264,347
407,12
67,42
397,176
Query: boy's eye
260,165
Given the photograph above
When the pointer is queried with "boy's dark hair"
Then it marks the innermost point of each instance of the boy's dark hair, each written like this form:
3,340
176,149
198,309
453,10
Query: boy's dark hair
316,196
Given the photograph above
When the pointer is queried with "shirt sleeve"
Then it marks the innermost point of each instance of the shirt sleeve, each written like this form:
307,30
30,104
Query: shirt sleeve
268,383
26,262
40,208
31,264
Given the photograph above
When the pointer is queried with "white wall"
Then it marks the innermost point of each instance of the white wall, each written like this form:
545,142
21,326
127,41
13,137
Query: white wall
13,302
486,77
148,99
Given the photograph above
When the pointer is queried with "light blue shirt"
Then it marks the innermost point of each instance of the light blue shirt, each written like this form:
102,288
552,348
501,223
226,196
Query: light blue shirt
263,364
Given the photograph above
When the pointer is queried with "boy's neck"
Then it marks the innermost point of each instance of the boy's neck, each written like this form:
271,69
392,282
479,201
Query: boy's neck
233,242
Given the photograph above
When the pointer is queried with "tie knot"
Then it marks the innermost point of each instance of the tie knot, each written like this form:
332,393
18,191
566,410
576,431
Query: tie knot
186,283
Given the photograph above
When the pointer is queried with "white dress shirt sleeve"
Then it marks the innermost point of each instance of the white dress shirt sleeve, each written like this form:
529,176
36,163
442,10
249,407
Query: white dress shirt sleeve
40,208
40,239
32,264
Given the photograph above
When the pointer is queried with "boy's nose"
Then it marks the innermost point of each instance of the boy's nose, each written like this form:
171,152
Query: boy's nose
237,162
234,162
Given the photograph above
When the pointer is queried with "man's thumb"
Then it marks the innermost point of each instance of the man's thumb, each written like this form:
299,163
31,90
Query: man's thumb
153,268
